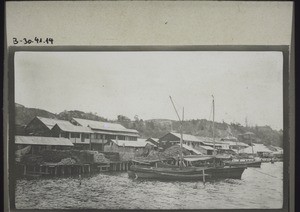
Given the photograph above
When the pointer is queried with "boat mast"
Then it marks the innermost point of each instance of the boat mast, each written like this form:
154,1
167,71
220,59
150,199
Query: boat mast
213,104
181,136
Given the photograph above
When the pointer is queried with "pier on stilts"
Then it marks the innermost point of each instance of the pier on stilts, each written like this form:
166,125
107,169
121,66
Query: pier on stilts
75,169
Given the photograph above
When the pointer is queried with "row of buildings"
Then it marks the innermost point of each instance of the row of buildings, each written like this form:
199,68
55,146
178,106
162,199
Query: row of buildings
45,133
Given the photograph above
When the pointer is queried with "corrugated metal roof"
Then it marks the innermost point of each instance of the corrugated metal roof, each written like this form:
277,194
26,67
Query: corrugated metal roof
154,139
34,140
115,133
191,149
236,143
73,128
186,137
138,143
103,125
51,122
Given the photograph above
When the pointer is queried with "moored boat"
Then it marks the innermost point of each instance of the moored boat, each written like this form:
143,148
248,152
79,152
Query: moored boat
255,164
188,171
168,173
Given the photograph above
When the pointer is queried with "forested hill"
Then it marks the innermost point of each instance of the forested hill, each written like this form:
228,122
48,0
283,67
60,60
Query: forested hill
24,115
158,127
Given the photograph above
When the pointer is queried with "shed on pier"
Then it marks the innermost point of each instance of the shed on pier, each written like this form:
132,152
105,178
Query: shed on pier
38,144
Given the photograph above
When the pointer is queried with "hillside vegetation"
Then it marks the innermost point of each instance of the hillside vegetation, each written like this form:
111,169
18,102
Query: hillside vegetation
159,127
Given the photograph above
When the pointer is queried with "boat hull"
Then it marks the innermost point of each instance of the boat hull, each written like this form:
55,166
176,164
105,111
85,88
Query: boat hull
185,174
255,164
227,172
167,176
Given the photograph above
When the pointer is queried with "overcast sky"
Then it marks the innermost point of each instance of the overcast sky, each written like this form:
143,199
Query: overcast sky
244,84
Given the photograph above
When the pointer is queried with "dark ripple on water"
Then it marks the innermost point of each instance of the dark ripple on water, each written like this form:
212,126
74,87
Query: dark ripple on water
117,191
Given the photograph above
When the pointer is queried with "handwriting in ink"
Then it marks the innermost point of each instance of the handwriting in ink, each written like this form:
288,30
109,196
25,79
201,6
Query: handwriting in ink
36,40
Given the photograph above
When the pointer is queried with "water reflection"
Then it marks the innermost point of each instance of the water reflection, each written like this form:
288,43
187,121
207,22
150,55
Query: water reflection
117,191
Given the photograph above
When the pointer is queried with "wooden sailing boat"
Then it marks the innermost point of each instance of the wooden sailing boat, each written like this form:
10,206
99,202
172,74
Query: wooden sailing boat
169,172
220,170
186,173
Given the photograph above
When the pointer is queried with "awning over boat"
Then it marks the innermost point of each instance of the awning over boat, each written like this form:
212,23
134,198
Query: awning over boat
206,157
203,158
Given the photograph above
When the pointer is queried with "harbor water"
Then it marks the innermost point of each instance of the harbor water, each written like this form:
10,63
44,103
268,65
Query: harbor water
258,188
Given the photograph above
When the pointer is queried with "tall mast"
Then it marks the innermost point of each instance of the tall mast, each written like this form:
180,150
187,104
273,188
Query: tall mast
181,136
213,122
214,153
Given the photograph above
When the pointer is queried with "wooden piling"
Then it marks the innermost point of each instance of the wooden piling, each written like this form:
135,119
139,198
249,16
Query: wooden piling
203,173
55,170
25,169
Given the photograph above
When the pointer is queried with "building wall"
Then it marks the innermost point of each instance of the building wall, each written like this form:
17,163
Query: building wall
37,128
36,149
97,147
80,146
126,153
75,137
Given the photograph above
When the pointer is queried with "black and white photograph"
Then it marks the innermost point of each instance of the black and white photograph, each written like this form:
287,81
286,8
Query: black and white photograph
149,130
149,105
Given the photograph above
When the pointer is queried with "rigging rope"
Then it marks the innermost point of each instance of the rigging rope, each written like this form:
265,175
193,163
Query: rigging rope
265,173
210,112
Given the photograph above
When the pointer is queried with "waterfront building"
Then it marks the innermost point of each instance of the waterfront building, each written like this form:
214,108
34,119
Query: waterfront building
206,150
105,131
276,151
205,141
203,144
80,136
234,144
192,150
35,144
40,126
127,149
259,149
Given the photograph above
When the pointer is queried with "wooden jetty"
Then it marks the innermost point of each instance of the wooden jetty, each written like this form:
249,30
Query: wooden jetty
51,169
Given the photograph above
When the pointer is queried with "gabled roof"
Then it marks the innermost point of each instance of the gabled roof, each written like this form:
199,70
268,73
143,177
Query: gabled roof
50,141
51,122
73,128
98,125
154,139
139,143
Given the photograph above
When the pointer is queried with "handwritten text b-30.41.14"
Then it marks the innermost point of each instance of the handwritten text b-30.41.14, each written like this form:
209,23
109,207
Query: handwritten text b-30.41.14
36,40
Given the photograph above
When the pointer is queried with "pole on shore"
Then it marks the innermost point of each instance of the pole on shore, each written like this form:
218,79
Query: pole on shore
181,136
